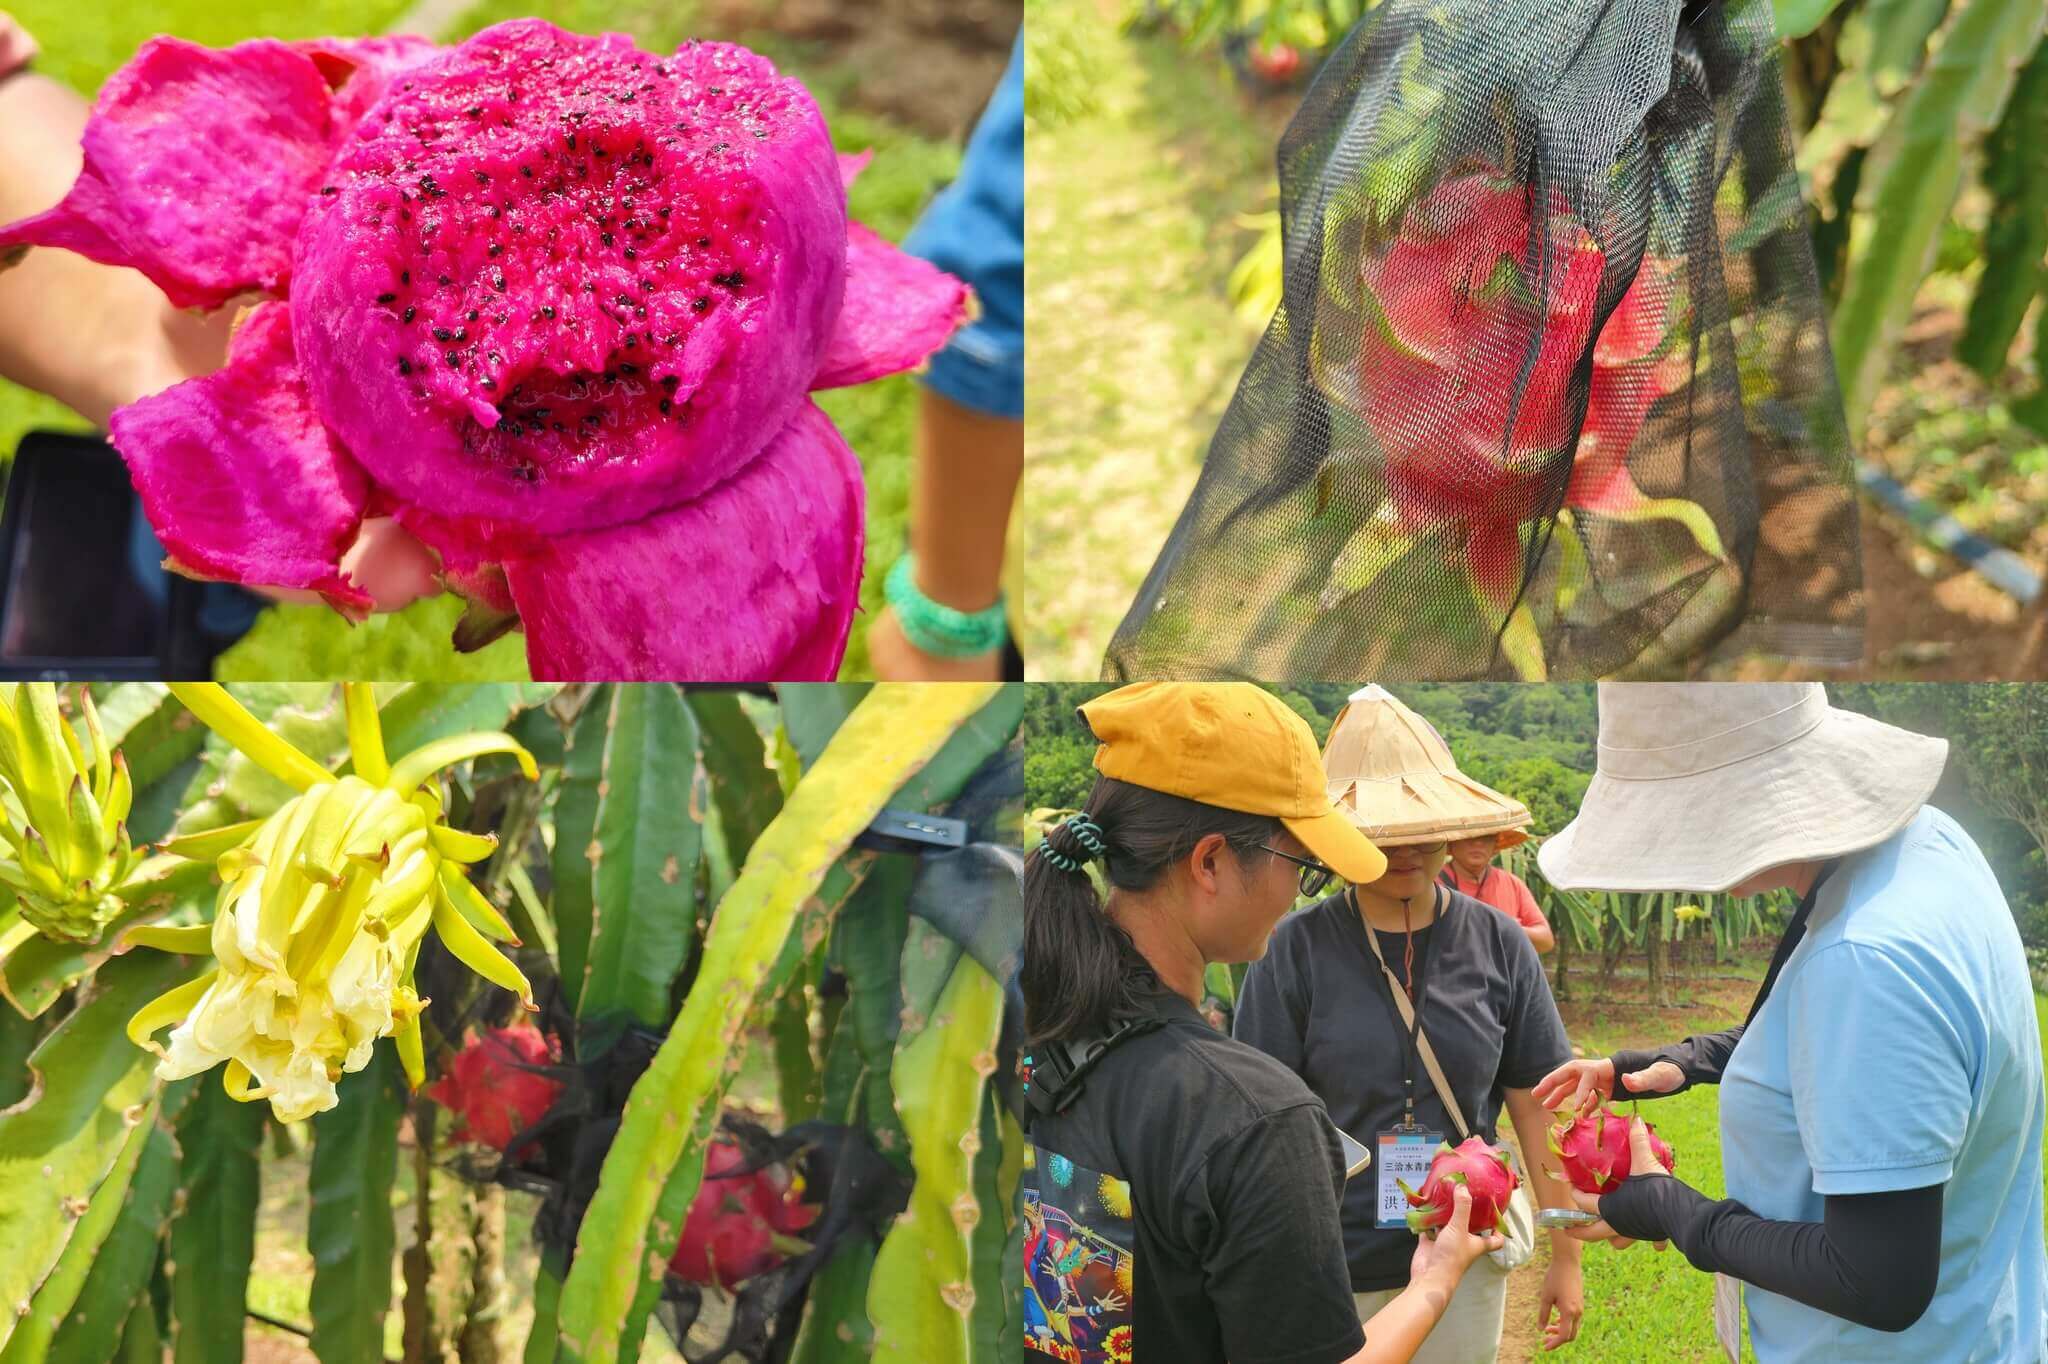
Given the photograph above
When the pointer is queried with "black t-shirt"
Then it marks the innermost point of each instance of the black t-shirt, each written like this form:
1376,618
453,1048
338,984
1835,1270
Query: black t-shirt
1184,1210
1318,1004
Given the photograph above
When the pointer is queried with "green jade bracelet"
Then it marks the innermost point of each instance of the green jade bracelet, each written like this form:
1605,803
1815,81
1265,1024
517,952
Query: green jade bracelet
938,629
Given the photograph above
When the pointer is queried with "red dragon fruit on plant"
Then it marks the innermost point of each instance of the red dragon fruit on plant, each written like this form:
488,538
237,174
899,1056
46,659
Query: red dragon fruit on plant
736,1221
553,302
1471,424
1593,1148
494,1087
1482,1168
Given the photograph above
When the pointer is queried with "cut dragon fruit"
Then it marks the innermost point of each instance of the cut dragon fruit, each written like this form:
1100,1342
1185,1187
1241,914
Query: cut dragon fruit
552,301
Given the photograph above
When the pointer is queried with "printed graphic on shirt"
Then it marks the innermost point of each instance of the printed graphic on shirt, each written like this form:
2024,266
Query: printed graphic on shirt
1078,1242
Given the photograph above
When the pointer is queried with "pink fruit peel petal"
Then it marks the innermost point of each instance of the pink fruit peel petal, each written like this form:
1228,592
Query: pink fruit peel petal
899,309
199,165
238,476
757,581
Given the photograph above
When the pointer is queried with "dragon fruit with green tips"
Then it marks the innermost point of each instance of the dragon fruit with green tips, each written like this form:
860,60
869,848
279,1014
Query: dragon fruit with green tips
555,303
1593,1147
1481,1168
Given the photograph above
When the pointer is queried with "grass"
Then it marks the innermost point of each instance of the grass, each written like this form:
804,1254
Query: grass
87,43
1132,201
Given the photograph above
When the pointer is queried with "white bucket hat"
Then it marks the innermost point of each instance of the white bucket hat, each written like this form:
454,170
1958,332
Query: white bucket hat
1701,785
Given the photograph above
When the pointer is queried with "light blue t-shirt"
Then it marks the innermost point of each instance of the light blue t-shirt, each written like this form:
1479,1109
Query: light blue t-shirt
1899,1049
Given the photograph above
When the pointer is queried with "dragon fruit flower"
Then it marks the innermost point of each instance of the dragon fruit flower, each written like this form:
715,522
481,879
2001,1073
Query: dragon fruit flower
496,1086
321,911
555,303
67,858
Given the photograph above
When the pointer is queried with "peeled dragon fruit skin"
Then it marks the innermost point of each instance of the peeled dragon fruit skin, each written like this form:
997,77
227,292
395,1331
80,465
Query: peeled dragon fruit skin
1593,1149
1481,1168
553,302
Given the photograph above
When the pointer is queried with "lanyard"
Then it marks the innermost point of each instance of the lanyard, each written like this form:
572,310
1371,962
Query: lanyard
1794,931
1418,989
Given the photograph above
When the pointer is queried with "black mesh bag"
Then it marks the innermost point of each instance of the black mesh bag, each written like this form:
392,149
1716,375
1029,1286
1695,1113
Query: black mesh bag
1549,391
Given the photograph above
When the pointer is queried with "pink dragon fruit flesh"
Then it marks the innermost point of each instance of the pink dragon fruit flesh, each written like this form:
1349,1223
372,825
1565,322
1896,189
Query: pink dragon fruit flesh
1593,1147
553,302
1479,1167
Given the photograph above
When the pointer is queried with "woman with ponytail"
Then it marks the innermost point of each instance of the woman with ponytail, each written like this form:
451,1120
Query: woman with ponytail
1181,1201
1419,1015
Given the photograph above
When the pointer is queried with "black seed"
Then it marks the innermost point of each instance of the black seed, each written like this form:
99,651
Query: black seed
409,312
490,383
462,333
494,250
572,142
664,213
498,280
605,237
699,304
481,177
631,253
404,365
639,312
329,189
405,276
703,241
669,381
494,357
493,212
515,428
666,405
540,414
732,279
387,298
596,150
474,110
632,341
452,358
548,312
525,473
627,367
443,334
558,426
526,171
669,340
471,314
445,280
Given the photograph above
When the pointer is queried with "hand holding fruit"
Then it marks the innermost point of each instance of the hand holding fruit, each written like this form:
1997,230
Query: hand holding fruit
1648,1158
1446,1253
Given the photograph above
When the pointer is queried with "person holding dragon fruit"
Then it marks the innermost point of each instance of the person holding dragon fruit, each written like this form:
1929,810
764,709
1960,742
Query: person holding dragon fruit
1181,1189
1882,1105
1418,1014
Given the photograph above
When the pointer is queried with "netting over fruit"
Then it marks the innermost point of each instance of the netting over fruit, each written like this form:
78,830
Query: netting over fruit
1549,392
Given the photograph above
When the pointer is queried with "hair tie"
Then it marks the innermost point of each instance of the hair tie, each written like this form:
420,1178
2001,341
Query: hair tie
1085,832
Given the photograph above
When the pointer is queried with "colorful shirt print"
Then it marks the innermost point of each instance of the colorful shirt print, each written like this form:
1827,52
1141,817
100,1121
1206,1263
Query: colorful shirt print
1078,1242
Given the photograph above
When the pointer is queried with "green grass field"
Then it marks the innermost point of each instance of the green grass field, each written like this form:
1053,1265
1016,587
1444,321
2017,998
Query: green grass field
84,43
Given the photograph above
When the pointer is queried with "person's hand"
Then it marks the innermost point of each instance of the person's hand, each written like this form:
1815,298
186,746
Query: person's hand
1642,1164
1564,1293
1574,1082
1448,1254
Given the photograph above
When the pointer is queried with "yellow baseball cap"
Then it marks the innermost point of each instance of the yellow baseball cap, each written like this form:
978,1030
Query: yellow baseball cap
1235,746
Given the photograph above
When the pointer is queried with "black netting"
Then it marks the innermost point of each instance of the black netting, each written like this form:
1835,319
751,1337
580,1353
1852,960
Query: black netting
1549,390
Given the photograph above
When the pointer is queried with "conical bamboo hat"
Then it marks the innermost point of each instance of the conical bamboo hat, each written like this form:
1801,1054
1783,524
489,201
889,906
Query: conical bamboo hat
1392,774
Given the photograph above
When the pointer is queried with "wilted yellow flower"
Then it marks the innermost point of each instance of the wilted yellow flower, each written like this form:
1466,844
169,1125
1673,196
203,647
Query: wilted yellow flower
1688,913
321,910
62,813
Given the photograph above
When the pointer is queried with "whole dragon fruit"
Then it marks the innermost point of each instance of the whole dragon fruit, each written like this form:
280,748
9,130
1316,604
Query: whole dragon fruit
734,1222
553,302
1482,1168
494,1086
1593,1147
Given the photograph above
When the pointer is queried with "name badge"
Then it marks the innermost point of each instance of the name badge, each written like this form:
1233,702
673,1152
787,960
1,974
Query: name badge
1405,1153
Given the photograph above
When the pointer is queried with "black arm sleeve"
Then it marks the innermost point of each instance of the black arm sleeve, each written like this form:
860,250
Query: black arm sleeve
1873,1261
1702,1057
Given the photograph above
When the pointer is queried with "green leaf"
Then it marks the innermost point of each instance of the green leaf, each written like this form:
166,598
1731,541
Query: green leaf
153,731
119,1282
989,1320
547,1305
412,714
2016,234
57,1144
1797,18
836,1326
812,711
349,1228
742,782
921,1294
18,1037
1911,179
1899,30
60,1292
290,640
647,1184
214,1237
643,858
575,823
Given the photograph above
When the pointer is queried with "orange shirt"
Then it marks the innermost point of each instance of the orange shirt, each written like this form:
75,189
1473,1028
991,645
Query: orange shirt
1503,890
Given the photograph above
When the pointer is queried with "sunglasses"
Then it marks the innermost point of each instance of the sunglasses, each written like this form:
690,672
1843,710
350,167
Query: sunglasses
1315,877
